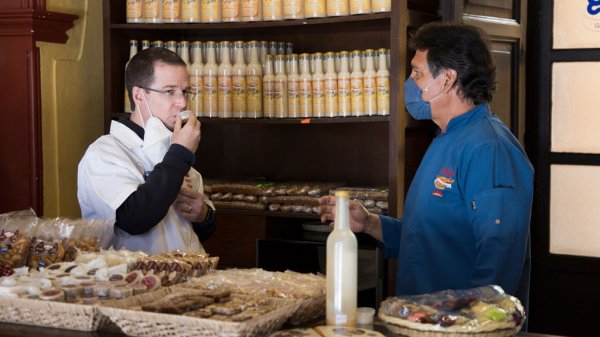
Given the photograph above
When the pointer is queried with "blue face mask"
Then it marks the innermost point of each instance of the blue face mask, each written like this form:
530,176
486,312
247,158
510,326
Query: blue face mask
413,100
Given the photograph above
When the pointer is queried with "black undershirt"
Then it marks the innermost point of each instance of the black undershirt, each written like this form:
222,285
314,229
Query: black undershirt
148,205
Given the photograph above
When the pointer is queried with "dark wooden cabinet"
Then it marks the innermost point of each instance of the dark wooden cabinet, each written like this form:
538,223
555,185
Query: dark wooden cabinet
359,151
22,24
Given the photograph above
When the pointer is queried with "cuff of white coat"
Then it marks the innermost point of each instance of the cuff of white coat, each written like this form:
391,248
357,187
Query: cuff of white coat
182,152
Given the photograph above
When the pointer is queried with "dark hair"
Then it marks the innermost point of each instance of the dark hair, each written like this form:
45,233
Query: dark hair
463,48
140,69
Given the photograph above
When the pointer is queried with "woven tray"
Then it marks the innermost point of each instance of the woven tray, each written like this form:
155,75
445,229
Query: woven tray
50,314
308,310
149,324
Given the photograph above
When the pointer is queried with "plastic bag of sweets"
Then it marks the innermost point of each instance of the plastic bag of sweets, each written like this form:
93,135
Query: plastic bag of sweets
15,229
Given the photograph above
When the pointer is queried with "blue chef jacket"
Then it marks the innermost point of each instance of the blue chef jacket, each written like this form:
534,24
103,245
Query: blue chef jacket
467,212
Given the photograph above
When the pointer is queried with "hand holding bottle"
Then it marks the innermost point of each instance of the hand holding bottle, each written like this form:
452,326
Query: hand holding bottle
360,219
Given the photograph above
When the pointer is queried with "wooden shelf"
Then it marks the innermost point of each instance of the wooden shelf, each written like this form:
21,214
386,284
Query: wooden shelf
301,121
220,26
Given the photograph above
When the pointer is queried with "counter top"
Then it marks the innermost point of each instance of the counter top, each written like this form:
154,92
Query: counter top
17,330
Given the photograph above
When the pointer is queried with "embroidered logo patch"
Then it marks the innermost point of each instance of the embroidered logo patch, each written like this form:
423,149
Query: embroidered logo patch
443,181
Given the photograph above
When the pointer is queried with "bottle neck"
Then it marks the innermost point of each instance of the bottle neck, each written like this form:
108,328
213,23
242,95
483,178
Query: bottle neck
293,65
132,50
330,64
225,54
318,65
279,66
356,66
197,55
382,61
253,54
268,66
344,64
369,66
342,213
304,65
211,54
239,56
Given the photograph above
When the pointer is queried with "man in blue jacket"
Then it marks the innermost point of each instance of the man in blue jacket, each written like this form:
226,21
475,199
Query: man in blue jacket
468,208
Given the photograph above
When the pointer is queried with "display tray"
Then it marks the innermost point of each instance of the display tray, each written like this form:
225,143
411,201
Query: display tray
405,331
150,324
51,314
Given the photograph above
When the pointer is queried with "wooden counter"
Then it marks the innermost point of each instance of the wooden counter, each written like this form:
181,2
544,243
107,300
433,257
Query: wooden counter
17,330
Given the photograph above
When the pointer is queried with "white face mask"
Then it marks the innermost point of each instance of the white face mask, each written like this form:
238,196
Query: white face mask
157,138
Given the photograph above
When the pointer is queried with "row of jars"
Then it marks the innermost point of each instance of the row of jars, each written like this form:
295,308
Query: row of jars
357,84
212,11
182,48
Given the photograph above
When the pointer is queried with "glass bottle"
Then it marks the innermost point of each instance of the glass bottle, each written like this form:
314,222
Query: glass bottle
315,8
171,10
330,86
272,48
238,82
357,86
230,11
318,86
344,88
305,86
280,87
360,7
133,49
268,88
251,10
337,7
184,52
171,45
210,11
196,83
370,84
383,84
145,44
379,6
272,10
224,88
209,79
158,43
341,267
190,11
293,9
254,83
293,91
289,48
135,11
281,48
153,11
263,50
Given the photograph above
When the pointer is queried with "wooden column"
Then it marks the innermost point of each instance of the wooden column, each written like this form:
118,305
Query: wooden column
22,24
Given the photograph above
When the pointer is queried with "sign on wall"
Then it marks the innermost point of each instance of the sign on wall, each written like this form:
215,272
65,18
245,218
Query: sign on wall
576,24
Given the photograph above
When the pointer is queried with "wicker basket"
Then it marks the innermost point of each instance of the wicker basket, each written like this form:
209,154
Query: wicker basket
149,324
50,314
308,310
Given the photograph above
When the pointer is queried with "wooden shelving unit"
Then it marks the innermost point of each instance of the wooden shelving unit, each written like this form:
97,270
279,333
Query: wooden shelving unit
365,151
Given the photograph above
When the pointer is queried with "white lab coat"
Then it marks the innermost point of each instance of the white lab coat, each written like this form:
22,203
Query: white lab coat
111,169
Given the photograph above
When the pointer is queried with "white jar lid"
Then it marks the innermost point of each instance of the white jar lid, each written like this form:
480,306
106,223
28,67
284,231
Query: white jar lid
364,315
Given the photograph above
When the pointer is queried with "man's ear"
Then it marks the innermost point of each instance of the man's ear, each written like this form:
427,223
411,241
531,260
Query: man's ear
450,77
137,95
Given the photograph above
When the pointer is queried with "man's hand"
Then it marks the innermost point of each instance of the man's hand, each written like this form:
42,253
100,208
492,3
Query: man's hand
360,219
191,204
187,135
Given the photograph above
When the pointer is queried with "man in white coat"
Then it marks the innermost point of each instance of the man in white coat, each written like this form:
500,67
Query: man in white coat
141,173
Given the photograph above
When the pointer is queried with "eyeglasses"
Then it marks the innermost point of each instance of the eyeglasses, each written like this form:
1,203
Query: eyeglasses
172,93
